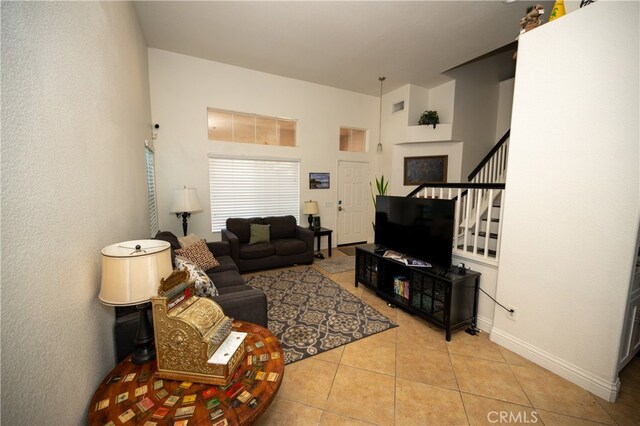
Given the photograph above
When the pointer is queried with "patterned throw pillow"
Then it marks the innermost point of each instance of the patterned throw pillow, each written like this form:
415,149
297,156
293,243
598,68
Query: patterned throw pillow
203,284
199,254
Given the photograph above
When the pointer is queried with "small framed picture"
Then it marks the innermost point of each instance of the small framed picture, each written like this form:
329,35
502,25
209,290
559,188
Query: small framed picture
318,180
316,222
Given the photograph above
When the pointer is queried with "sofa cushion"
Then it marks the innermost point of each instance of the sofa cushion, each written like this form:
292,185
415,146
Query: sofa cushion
235,289
240,227
203,284
281,226
255,251
259,233
224,279
199,254
288,246
226,263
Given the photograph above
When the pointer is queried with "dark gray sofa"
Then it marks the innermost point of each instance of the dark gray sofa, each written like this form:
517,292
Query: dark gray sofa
236,299
288,243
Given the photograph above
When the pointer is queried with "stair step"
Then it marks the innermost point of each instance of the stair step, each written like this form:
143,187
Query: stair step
484,234
492,253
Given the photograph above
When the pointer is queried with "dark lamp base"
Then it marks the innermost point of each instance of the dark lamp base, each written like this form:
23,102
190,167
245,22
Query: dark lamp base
145,348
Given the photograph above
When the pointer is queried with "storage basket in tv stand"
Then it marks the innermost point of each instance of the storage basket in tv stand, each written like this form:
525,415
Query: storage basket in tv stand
446,299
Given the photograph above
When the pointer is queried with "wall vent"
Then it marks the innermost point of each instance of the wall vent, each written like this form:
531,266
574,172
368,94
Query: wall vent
398,106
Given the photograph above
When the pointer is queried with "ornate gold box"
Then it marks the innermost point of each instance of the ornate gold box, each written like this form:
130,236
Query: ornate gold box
193,338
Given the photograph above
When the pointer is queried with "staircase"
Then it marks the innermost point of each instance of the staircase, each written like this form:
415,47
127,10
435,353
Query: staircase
478,217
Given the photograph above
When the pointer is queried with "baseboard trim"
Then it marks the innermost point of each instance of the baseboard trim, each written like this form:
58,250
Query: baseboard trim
577,375
484,324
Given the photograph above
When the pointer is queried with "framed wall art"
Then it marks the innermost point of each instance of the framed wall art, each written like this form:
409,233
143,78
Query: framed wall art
319,180
431,169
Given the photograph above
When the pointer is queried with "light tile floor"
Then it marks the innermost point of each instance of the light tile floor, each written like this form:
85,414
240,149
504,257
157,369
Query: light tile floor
411,375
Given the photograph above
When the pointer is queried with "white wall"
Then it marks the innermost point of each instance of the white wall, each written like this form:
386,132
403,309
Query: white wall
572,206
418,103
505,105
75,113
441,99
394,128
182,88
476,106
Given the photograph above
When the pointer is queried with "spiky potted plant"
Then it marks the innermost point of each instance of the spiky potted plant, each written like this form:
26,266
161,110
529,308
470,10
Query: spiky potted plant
381,188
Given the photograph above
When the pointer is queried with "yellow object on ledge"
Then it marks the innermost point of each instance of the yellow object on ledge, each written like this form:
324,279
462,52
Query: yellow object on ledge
557,11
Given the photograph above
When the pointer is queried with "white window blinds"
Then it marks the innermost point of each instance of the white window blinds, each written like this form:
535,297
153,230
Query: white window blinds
151,192
246,188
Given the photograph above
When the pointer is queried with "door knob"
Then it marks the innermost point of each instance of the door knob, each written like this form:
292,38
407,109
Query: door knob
340,208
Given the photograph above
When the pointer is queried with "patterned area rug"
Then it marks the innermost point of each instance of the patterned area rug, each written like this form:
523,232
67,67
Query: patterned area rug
311,314
338,264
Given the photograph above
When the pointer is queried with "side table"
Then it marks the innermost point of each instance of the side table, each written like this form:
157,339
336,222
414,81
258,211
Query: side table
320,232
145,397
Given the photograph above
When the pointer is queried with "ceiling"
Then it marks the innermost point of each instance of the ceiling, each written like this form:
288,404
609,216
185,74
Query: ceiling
343,44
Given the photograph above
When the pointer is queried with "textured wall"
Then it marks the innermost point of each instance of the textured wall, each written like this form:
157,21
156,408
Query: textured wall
75,113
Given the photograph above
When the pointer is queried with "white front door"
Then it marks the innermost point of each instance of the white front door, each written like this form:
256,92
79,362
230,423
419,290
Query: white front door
353,202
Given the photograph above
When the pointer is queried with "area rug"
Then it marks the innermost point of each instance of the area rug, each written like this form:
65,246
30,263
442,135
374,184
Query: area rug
336,264
310,314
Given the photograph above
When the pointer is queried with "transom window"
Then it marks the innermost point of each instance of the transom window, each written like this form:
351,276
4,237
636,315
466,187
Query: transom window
352,140
229,126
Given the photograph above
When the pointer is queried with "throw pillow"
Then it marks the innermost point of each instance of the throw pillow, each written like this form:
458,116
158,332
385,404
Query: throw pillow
199,254
188,240
259,233
168,237
203,284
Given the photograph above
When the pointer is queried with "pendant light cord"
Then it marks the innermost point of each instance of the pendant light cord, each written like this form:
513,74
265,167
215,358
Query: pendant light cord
379,148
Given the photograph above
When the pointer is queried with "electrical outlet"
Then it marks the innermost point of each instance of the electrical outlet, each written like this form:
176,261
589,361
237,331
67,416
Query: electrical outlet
512,315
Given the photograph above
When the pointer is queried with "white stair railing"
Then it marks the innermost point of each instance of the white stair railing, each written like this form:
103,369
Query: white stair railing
477,222
493,167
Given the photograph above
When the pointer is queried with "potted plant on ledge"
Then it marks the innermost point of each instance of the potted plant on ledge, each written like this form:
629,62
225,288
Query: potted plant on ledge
429,117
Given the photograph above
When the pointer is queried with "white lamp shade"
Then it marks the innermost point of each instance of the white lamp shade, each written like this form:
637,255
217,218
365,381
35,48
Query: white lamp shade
185,200
310,207
132,276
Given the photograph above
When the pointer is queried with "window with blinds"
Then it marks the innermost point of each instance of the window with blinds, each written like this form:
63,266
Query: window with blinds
151,191
242,187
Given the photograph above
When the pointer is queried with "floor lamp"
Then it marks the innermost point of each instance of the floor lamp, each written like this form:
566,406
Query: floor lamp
185,202
131,274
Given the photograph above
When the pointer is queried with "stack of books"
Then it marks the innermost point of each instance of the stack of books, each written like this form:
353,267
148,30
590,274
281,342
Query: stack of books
401,287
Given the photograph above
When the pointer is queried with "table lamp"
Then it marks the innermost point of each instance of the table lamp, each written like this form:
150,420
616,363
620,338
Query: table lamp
310,208
131,274
185,202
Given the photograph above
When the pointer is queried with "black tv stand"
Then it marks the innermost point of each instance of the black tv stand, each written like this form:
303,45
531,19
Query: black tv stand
442,297
379,249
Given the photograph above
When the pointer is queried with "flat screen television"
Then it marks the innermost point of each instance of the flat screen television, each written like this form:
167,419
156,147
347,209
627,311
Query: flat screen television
421,228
